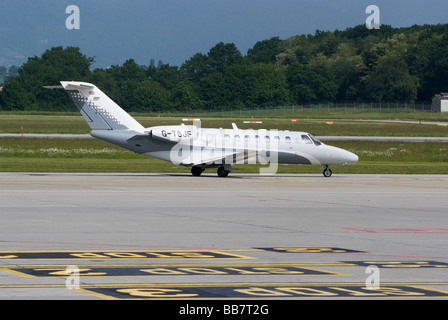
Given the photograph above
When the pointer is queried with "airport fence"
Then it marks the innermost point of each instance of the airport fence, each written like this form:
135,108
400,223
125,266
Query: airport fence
272,110
329,106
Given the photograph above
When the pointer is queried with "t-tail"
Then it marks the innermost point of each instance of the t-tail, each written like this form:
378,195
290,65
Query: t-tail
100,112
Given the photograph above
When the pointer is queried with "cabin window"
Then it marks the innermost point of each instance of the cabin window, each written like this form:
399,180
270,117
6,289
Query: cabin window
226,137
288,139
210,140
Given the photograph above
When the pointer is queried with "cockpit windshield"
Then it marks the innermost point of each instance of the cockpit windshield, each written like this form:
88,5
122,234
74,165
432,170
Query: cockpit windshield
315,140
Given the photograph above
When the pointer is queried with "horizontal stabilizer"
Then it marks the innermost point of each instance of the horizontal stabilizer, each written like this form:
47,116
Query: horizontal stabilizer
53,87
139,137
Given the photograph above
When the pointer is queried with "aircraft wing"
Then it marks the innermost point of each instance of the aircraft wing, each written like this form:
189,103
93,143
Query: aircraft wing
240,157
187,155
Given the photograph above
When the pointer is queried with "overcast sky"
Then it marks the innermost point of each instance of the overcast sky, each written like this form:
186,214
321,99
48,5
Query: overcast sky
113,31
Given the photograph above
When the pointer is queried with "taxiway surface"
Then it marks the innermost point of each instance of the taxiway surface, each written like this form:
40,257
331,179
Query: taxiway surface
244,236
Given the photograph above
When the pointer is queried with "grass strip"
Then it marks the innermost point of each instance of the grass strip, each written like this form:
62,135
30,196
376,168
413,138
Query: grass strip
335,125
59,155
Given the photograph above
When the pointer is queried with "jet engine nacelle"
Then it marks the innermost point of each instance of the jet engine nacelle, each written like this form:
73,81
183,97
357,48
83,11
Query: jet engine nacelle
175,133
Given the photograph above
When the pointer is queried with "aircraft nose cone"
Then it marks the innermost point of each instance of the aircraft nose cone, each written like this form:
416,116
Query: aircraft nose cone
351,157
338,156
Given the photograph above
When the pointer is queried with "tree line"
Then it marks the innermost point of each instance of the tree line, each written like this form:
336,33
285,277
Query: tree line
6,73
356,64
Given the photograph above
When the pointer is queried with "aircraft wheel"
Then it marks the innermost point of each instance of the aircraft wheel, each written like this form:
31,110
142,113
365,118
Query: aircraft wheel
327,172
222,172
196,171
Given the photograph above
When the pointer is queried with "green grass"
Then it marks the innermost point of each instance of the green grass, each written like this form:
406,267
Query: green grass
35,123
31,123
55,155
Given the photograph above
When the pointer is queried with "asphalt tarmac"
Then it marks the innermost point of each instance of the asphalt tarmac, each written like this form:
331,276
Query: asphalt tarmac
175,236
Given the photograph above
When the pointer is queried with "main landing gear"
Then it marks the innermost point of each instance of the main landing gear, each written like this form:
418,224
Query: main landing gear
327,172
197,171
223,172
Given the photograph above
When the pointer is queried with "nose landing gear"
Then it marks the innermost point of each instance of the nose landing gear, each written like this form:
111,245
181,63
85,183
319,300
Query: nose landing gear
327,172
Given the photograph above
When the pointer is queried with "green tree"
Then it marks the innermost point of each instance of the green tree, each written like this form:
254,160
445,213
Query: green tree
151,96
54,65
130,70
347,67
222,56
428,60
168,76
127,78
195,68
215,91
3,74
391,81
13,71
264,51
310,83
15,97
186,96
260,85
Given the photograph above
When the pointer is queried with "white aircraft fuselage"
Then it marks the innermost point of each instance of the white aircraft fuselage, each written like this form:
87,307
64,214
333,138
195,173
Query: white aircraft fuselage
201,148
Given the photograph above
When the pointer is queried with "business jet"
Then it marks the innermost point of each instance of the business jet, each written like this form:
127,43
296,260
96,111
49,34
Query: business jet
201,148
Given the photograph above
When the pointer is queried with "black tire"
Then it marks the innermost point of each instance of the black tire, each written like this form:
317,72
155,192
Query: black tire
222,172
196,171
327,172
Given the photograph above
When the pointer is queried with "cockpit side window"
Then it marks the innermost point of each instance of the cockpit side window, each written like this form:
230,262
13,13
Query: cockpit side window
315,140
306,139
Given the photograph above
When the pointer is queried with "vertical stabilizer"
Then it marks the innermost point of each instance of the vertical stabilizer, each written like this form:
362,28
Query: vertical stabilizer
100,112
